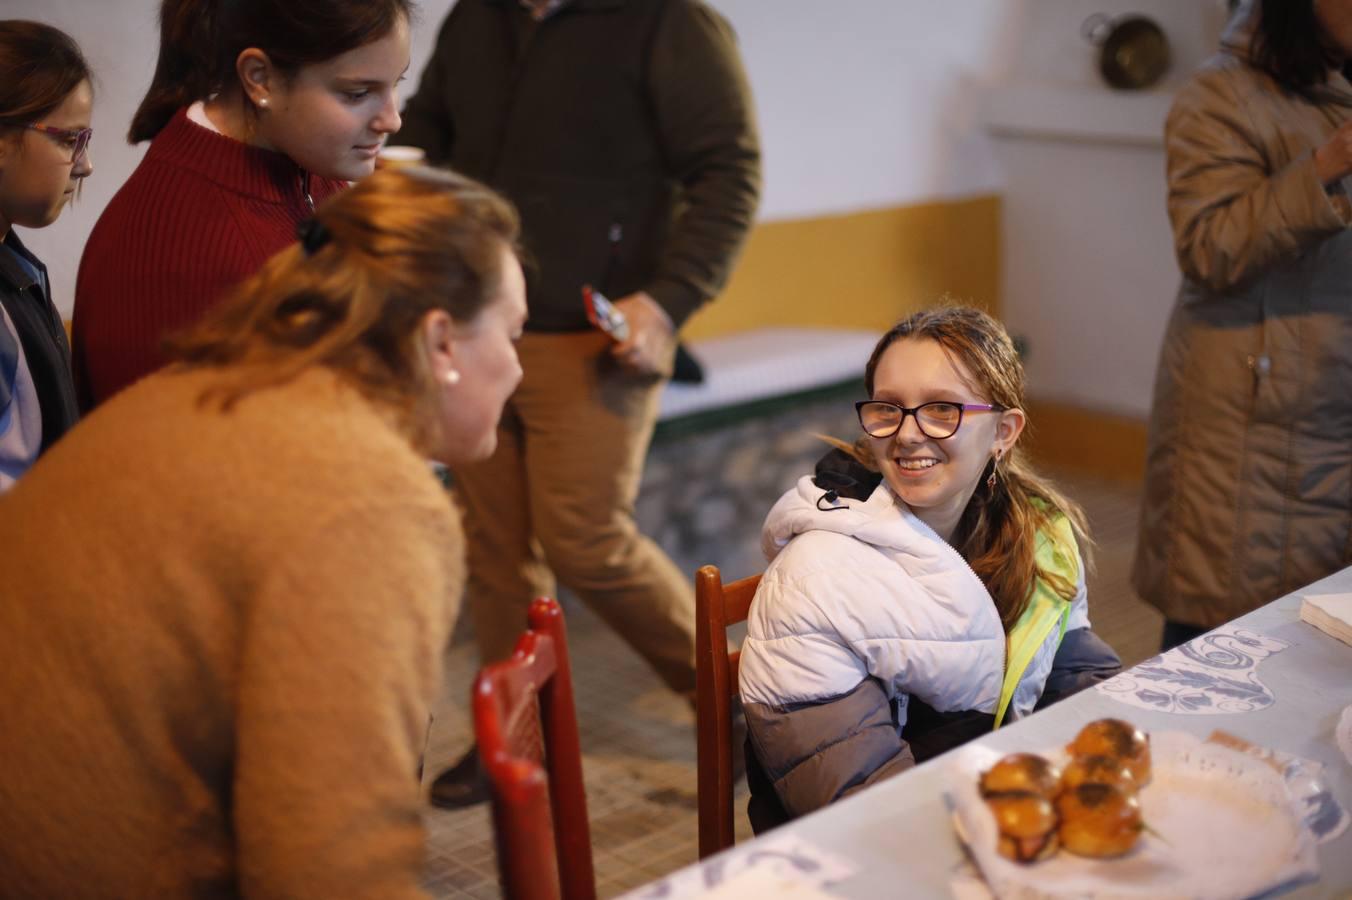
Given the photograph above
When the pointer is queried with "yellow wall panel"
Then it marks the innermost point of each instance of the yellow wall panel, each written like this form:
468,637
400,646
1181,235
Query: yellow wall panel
863,270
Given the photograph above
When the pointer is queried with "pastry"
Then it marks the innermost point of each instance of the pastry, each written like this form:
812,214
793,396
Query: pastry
1027,826
1098,820
1022,772
1113,737
1109,770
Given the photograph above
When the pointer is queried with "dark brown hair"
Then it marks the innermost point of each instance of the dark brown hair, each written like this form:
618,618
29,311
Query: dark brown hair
201,39
39,67
1289,44
997,534
398,245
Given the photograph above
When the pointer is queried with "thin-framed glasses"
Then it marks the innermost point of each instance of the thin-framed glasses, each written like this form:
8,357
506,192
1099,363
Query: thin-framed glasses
937,420
76,139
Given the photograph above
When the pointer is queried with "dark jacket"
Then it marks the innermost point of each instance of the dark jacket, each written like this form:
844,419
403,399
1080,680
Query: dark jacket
1248,487
623,131
43,338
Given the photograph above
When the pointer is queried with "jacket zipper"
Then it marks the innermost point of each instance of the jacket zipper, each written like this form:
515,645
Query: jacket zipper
1004,672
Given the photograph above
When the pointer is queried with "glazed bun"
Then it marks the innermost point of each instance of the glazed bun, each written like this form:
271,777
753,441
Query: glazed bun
1098,820
1022,773
1027,826
1113,737
1107,770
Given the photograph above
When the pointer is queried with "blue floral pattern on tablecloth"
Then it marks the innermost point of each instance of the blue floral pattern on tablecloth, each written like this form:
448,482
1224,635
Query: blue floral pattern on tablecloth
777,853
1215,674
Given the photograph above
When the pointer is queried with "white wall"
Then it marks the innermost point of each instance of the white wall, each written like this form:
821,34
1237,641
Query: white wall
862,103
868,104
1088,275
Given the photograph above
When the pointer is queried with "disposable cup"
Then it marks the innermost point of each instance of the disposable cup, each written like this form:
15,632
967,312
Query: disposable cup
397,157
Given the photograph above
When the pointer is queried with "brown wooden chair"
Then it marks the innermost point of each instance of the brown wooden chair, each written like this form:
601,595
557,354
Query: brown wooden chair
526,726
716,607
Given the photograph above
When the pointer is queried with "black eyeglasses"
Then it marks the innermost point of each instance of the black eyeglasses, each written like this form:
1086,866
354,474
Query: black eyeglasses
938,420
76,139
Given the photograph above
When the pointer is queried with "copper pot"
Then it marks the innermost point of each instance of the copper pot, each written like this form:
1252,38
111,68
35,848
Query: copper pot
1133,51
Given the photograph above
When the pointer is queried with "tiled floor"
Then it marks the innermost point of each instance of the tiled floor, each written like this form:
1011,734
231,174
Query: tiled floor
638,739
639,759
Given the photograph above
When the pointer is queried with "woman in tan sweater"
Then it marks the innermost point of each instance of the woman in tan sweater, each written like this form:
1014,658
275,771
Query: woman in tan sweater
225,594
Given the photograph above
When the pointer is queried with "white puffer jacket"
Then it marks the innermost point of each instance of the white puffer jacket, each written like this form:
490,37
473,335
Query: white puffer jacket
864,588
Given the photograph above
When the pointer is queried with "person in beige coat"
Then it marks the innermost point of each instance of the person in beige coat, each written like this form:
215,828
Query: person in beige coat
1248,491
226,593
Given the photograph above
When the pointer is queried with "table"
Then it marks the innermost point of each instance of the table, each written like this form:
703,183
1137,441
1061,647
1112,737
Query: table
898,834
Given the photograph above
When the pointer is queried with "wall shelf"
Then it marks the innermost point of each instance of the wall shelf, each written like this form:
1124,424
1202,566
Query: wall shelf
1076,113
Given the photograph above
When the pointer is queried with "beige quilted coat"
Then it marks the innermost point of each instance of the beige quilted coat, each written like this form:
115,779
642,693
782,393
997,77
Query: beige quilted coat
1248,490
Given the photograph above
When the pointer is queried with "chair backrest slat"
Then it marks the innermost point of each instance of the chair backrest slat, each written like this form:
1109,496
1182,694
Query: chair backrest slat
524,831
525,723
716,607
737,599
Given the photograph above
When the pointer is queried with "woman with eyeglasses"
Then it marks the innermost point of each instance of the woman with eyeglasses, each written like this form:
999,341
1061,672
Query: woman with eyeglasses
258,110
46,102
925,586
217,662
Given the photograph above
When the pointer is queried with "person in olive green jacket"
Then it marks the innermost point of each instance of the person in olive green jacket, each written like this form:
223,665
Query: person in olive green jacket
1248,491
624,132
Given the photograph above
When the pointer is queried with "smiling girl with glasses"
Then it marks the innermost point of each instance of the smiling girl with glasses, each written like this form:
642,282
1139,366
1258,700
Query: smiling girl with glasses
925,586
45,107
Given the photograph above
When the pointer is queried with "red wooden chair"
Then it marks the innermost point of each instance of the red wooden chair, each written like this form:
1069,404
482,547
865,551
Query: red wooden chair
526,727
716,607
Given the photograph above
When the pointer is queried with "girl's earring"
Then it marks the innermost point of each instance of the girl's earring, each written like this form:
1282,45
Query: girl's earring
452,376
990,481
262,102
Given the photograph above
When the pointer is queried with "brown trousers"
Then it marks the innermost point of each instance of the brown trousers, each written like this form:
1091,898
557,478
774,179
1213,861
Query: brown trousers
557,499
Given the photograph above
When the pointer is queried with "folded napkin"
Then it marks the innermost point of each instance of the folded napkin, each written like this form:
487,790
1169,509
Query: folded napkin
1330,613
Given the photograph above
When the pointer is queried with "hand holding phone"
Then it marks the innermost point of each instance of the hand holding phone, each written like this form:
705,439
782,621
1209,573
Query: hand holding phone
603,314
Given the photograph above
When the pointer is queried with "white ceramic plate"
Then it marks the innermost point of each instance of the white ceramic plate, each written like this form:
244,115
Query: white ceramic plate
1226,825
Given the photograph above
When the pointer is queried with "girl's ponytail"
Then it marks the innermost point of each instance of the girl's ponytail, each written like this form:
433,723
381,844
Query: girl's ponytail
189,57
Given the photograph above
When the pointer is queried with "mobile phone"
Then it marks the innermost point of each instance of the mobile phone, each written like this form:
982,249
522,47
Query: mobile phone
603,314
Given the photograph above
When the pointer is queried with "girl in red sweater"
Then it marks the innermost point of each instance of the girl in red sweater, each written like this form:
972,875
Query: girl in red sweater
45,106
258,110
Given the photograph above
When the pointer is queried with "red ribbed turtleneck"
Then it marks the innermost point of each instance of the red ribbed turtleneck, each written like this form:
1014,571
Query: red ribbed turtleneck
200,213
